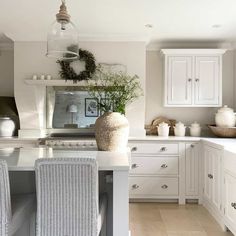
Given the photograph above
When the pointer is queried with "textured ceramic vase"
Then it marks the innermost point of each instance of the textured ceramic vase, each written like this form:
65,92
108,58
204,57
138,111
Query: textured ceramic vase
112,132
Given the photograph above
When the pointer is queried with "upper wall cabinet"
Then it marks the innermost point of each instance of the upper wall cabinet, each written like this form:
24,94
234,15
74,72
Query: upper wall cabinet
193,77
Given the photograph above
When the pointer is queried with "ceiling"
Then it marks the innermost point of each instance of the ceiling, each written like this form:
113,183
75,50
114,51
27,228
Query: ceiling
29,20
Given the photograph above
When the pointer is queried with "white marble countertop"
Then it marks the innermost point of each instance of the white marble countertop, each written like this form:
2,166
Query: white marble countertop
169,138
23,159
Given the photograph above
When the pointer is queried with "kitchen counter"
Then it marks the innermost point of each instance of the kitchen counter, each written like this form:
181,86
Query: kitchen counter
170,138
23,159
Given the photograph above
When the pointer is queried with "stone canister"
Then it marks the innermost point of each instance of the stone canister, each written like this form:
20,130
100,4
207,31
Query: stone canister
225,117
112,132
195,129
180,129
7,127
163,129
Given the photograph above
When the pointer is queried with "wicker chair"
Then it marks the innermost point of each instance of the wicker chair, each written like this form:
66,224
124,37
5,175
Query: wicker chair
67,197
15,210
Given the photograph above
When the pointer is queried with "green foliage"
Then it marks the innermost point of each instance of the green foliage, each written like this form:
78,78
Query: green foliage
67,72
114,90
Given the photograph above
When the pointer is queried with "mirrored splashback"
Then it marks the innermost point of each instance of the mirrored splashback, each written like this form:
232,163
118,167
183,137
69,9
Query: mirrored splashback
70,107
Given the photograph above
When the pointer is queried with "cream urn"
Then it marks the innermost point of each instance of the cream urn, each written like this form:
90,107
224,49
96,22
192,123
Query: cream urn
179,129
195,129
225,117
163,129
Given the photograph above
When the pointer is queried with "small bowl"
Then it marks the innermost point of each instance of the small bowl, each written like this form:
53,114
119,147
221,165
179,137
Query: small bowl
223,132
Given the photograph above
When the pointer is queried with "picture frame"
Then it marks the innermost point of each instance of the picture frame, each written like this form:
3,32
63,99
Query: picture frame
91,107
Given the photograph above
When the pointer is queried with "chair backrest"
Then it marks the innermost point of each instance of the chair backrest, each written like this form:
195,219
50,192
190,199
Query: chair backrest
5,200
67,196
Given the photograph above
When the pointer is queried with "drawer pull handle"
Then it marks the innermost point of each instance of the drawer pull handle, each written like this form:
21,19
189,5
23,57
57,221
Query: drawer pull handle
163,149
134,149
233,204
134,166
164,166
210,176
164,186
135,186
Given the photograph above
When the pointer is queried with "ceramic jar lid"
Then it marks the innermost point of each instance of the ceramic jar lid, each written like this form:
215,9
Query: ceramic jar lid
163,125
179,125
195,125
225,108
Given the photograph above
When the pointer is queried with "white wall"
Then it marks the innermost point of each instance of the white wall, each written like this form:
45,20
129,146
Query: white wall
6,73
154,92
29,59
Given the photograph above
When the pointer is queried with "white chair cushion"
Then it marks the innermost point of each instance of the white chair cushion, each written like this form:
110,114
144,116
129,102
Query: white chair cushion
23,205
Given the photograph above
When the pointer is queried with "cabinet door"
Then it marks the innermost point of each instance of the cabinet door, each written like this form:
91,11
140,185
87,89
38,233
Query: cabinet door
212,176
179,80
207,80
216,179
230,198
207,171
192,169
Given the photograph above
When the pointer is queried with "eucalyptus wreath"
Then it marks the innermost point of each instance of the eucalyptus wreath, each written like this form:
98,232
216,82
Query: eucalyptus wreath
68,73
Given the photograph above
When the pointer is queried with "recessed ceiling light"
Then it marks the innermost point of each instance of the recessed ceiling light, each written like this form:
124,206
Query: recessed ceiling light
216,26
149,26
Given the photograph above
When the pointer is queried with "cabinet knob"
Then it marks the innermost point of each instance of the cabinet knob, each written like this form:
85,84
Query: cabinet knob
164,186
210,176
134,149
196,80
164,166
192,146
233,204
134,166
163,149
135,186
189,80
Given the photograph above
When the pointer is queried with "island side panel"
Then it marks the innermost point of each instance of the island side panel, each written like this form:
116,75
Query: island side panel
120,203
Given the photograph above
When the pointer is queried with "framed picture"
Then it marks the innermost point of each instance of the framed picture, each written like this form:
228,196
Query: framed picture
91,107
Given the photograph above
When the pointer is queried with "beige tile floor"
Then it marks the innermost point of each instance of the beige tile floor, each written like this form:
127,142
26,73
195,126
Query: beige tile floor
162,219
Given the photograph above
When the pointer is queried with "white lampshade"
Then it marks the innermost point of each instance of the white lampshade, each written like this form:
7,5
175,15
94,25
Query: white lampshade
72,108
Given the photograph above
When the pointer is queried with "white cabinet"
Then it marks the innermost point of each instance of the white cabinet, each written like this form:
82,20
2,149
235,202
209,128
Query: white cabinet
212,176
192,161
230,200
193,77
154,170
229,190
179,81
207,85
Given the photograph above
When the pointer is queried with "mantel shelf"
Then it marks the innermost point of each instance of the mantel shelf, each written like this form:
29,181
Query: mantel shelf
55,82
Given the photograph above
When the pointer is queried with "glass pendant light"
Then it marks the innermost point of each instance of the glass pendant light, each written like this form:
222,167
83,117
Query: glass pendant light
62,41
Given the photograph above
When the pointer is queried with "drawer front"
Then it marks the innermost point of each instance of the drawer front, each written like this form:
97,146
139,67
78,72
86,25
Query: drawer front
159,186
154,148
154,165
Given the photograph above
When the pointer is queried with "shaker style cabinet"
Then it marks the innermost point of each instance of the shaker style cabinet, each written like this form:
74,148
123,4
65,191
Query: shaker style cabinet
192,162
212,178
230,200
193,77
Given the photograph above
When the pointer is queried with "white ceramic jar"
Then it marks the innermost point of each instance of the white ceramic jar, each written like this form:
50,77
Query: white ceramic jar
163,129
195,130
7,127
225,117
180,129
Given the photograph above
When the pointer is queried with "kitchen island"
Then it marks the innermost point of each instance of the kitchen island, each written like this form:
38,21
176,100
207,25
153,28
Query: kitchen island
113,171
